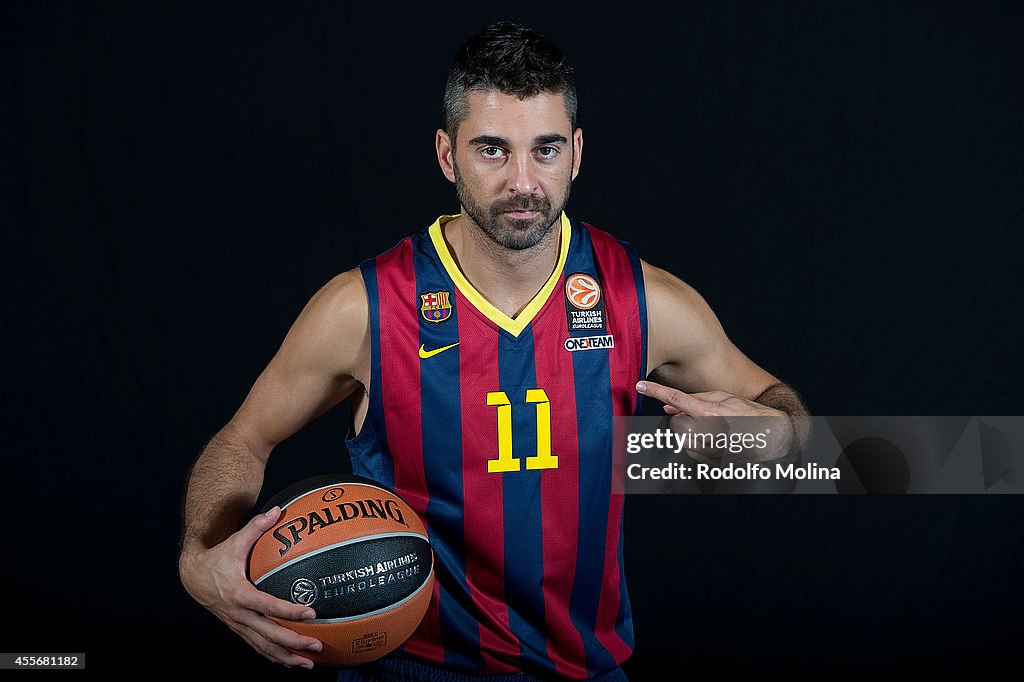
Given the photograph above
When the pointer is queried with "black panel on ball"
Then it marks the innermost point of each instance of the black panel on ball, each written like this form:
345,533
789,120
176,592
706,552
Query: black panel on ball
355,579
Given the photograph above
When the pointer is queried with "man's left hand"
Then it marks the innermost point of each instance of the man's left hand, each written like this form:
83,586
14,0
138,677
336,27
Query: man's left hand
706,403
710,412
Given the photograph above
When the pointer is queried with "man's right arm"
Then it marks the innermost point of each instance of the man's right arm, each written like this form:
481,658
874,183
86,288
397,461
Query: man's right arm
323,359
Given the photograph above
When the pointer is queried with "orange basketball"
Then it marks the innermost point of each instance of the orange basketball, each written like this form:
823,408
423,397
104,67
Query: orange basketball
355,553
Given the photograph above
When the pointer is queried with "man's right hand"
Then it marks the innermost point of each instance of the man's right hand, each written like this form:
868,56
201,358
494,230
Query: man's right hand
216,578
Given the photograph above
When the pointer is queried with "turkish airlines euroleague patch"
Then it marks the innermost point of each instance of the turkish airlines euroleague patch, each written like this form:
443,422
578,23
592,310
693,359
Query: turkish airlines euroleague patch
584,304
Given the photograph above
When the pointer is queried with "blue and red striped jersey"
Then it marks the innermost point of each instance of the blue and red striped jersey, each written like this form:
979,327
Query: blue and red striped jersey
498,431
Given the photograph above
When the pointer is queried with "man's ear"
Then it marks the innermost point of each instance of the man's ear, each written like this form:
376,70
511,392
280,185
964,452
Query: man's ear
577,151
445,154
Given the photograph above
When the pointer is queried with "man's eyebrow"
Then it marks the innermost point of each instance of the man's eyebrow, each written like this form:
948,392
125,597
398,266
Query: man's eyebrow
496,141
489,140
549,138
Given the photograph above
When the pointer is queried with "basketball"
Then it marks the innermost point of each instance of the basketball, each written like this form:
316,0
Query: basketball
354,552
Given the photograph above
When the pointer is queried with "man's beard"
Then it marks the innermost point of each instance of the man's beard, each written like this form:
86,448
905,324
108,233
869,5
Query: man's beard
504,230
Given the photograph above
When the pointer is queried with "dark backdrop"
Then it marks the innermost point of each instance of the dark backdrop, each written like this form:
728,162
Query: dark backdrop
841,181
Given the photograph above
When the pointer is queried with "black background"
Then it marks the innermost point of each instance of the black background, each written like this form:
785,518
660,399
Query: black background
841,181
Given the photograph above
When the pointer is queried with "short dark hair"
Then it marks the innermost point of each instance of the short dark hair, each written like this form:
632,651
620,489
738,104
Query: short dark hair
511,59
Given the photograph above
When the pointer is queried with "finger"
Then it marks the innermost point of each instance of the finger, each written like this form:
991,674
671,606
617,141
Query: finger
247,536
683,402
713,396
669,409
272,632
270,650
251,641
250,638
257,600
674,411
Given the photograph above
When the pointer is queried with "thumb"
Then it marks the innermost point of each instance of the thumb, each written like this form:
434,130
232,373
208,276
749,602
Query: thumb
257,526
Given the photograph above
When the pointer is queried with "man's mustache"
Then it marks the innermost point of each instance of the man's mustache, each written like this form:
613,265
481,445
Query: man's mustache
520,206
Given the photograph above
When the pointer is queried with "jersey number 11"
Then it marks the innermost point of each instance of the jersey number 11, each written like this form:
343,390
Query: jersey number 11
505,461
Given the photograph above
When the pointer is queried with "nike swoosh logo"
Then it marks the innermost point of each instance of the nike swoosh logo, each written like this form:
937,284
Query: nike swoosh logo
424,353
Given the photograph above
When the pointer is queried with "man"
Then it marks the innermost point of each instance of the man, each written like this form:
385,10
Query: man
486,358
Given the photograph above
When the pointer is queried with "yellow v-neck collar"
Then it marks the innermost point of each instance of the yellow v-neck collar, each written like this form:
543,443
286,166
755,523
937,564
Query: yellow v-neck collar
516,325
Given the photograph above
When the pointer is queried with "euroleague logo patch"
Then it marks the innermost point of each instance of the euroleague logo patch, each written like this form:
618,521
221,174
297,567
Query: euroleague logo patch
583,291
584,303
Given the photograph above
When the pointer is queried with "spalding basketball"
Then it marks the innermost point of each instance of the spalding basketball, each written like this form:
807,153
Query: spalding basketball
355,553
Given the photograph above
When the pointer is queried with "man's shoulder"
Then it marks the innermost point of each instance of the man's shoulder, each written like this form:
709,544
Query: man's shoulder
662,284
341,300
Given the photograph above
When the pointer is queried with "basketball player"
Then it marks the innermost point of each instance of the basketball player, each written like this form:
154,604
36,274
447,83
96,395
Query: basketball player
486,357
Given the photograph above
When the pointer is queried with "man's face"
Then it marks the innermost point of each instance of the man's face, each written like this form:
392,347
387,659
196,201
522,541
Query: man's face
514,165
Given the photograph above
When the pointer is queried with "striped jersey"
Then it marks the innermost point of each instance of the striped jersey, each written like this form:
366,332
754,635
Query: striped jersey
498,432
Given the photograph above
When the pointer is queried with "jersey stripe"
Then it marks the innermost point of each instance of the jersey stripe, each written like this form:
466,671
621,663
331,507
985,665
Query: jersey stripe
625,624
559,502
442,457
400,378
483,495
524,563
593,418
617,276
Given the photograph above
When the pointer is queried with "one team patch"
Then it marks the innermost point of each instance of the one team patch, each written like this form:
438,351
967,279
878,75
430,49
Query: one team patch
584,304
576,343
436,306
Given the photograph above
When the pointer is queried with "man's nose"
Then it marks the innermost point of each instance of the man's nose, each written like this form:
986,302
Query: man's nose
522,176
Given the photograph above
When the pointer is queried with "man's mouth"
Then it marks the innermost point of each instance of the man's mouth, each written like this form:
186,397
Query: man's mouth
522,214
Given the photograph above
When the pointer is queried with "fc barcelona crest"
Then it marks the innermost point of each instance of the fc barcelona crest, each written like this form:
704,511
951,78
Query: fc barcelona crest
436,306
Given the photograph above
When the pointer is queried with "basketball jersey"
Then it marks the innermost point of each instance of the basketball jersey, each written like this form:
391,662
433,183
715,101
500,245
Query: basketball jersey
498,432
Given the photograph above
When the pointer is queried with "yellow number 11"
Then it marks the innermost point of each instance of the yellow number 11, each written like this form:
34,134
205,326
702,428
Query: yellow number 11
505,461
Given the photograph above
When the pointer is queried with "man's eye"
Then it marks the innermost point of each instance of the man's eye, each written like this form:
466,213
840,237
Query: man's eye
548,152
491,152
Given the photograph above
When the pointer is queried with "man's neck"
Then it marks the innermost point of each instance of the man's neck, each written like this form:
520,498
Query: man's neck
508,278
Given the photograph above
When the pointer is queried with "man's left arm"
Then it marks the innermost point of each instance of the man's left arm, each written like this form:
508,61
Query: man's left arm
698,371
